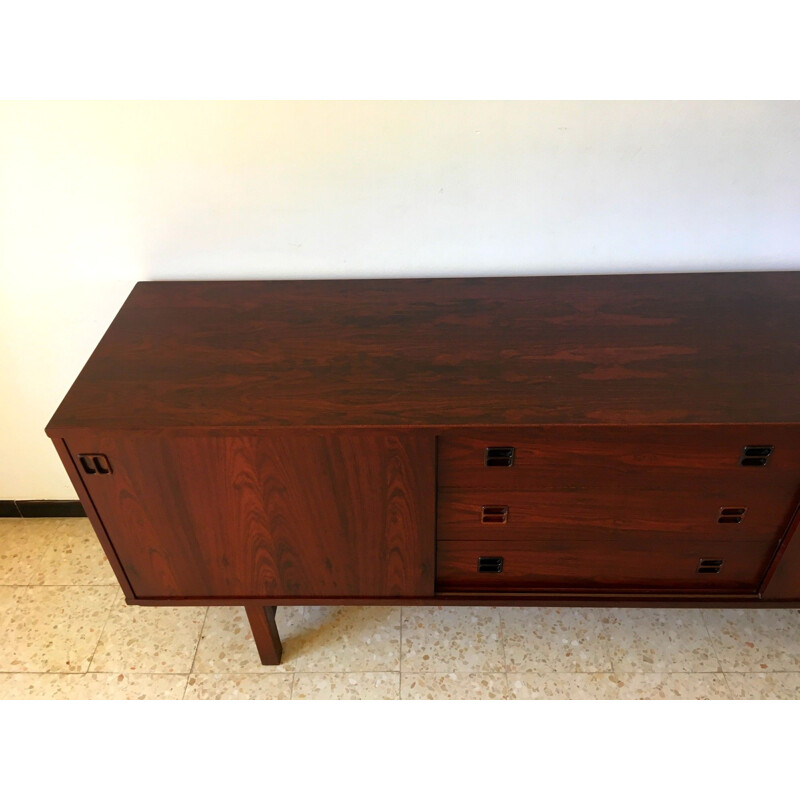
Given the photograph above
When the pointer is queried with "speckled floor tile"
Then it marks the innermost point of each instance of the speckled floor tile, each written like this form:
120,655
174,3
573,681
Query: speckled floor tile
555,639
346,686
616,686
452,639
562,686
61,613
91,686
22,543
147,639
73,556
227,646
660,640
52,628
764,685
275,686
343,639
755,639
8,596
453,686
315,639
672,686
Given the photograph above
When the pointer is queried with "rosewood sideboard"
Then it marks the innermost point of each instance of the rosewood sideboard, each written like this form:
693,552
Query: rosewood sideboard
597,440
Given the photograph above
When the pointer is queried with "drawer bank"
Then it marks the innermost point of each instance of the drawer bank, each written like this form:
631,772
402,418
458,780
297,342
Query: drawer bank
617,440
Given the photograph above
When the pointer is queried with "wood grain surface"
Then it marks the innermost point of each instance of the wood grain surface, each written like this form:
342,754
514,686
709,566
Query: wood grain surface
631,564
604,516
607,349
622,459
265,633
601,482
272,515
271,441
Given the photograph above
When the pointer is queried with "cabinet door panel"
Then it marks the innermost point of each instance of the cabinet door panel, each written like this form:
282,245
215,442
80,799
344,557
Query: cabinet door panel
273,515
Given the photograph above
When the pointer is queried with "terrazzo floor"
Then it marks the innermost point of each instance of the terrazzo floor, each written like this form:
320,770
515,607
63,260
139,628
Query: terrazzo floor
66,633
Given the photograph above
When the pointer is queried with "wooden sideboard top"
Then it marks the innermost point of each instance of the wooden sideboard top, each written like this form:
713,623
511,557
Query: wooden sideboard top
590,349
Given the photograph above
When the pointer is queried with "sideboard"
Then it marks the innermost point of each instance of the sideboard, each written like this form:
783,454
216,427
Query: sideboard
596,440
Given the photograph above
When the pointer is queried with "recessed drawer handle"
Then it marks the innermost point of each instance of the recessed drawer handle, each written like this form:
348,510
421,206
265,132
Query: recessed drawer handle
94,463
490,564
756,455
494,515
499,457
731,515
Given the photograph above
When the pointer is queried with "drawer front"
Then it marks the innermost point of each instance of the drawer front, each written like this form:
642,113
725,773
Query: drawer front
718,514
592,461
633,565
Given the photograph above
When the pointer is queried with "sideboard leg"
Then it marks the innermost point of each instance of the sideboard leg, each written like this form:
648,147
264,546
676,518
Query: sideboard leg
265,632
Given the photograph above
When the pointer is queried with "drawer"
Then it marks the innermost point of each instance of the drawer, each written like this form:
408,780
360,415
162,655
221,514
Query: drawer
633,565
597,459
717,514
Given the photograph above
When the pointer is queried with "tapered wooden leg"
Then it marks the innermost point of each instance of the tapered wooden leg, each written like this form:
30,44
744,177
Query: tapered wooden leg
265,632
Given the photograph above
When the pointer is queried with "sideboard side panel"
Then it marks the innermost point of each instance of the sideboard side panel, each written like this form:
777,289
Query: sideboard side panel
280,514
783,578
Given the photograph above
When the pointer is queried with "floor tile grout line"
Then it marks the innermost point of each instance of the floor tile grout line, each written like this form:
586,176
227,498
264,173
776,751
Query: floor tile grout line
16,586
98,672
608,627
81,676
502,635
196,648
716,655
714,648
730,688
411,672
400,654
56,585
400,659
304,672
111,607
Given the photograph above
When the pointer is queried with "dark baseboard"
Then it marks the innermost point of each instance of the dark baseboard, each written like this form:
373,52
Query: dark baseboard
41,508
8,508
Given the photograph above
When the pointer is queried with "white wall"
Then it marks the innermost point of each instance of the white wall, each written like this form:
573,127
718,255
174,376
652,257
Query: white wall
95,196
